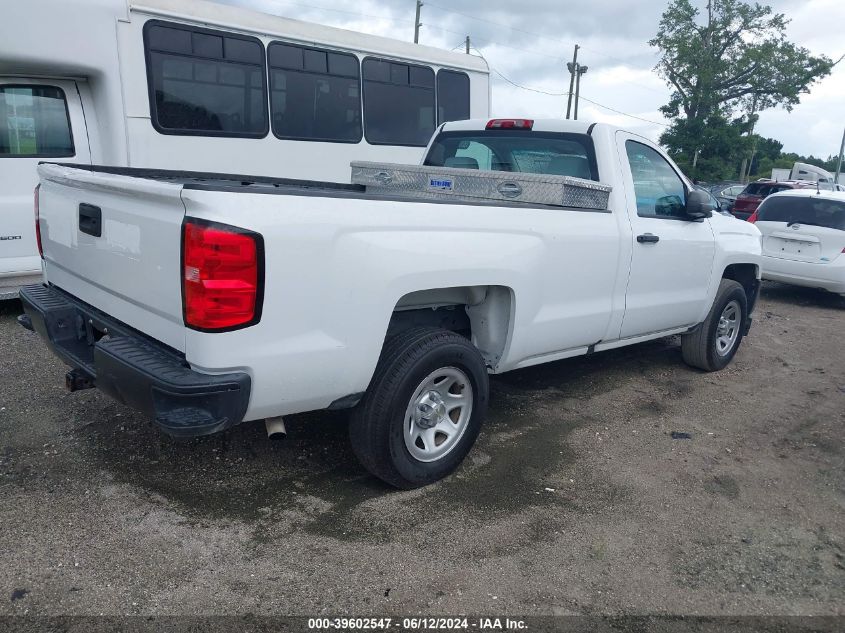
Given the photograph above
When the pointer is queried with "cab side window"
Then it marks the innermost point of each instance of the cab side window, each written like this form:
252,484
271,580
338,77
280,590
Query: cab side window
660,191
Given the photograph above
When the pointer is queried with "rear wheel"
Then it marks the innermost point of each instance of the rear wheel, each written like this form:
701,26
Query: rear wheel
423,409
714,344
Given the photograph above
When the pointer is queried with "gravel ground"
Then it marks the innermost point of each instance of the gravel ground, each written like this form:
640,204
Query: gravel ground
576,499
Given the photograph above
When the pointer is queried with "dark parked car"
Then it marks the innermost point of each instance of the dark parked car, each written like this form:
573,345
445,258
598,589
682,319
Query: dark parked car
755,192
726,193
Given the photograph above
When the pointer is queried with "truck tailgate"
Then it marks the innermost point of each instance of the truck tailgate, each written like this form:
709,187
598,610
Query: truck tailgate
114,242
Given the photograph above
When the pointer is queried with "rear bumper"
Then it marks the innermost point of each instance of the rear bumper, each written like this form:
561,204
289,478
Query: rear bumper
132,368
830,276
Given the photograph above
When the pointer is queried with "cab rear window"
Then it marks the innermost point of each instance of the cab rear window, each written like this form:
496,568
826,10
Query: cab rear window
522,151
813,211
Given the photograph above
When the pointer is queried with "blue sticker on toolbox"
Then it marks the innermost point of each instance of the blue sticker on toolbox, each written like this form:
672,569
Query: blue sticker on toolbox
441,184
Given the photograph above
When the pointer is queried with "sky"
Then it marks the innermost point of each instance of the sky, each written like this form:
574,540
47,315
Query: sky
530,42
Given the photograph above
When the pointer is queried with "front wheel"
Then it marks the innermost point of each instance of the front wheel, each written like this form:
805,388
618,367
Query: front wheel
423,409
714,344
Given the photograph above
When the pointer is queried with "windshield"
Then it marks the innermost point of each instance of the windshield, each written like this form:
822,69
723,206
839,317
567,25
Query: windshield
800,210
516,150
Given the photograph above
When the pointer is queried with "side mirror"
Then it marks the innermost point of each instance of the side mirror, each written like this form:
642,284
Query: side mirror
698,205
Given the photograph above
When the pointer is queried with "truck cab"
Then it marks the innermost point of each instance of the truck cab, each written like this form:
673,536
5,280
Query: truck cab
671,258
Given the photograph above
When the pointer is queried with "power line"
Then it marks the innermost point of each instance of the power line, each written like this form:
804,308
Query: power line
566,94
537,90
557,58
633,116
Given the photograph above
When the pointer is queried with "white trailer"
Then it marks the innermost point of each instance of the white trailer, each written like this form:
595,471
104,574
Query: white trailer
195,85
805,171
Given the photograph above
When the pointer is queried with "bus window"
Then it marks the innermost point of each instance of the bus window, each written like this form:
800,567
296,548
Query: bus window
452,96
203,82
398,103
34,122
315,95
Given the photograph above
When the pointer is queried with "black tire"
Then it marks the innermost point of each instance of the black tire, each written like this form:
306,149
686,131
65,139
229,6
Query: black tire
376,428
699,348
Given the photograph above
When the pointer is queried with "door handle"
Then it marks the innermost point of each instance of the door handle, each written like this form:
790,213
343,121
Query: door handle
90,219
647,238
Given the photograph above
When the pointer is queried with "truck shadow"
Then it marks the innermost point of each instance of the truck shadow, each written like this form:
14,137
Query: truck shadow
10,308
800,296
312,480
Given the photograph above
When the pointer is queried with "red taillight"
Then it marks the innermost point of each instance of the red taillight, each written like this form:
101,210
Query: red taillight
35,197
222,276
753,217
510,124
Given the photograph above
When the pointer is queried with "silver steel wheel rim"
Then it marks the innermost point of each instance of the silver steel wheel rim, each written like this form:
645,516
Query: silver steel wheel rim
438,414
727,330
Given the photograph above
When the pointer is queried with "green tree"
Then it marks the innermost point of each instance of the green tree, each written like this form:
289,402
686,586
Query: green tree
721,145
732,58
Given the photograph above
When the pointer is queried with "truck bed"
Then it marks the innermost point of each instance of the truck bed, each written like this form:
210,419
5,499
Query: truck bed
244,183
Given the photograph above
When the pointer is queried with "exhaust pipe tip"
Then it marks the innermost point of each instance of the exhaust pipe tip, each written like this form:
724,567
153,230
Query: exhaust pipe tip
275,428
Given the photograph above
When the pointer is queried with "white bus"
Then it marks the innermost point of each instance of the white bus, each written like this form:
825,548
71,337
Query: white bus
195,85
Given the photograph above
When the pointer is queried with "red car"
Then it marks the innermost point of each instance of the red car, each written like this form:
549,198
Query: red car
754,193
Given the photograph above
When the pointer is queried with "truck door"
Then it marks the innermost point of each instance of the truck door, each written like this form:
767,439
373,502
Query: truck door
40,120
672,256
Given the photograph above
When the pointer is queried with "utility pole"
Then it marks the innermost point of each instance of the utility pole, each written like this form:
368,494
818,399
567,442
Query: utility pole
417,23
572,66
839,164
468,45
579,70
751,161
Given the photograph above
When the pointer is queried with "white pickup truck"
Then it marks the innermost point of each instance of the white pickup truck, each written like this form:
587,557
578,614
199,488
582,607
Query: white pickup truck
207,300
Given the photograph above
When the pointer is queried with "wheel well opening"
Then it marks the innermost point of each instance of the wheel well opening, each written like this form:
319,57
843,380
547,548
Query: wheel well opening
746,275
480,313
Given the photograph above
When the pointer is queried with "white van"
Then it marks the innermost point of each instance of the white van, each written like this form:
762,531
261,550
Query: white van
195,85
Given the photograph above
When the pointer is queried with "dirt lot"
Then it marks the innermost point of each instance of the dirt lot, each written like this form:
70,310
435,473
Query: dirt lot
576,500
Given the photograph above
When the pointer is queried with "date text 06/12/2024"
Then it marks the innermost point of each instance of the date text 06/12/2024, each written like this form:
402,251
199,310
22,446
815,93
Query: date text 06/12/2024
418,624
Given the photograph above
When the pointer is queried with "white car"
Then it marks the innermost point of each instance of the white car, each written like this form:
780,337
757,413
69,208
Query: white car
804,238
209,300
